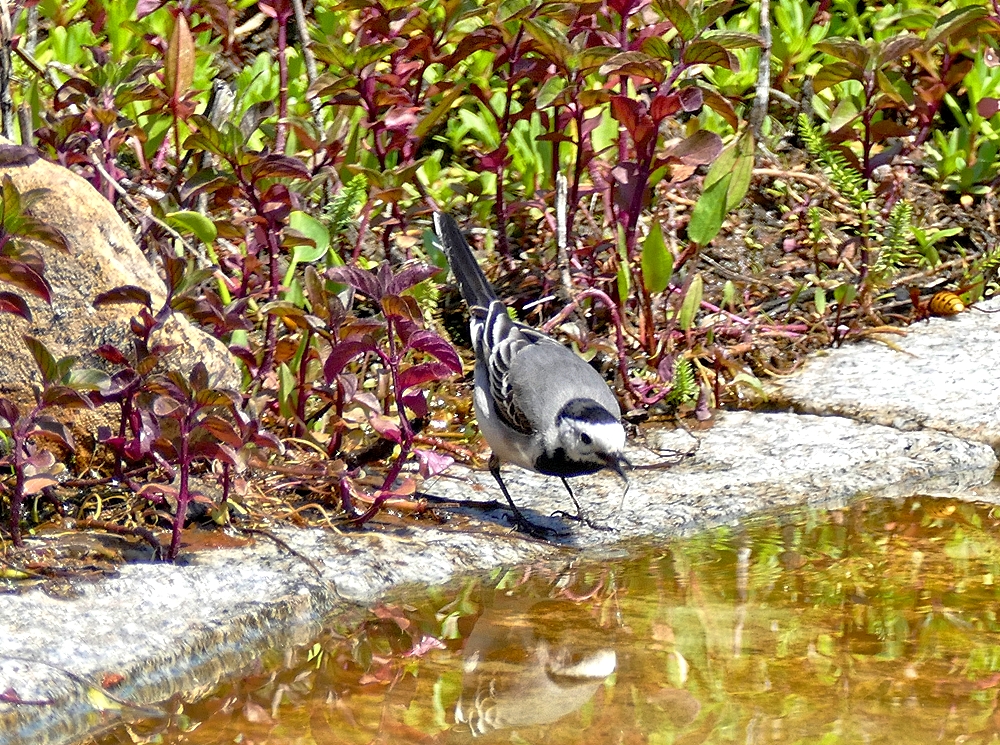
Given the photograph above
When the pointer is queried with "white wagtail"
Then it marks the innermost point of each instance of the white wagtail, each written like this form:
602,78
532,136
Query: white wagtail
538,404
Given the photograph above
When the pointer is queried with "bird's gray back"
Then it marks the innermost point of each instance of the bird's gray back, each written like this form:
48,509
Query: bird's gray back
545,375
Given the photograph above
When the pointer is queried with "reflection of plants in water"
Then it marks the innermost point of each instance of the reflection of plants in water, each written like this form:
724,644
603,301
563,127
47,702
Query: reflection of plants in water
841,617
841,625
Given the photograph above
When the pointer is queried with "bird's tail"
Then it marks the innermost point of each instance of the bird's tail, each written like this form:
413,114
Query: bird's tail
476,289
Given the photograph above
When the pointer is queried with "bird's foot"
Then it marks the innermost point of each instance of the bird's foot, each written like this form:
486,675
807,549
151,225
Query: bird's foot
582,518
524,525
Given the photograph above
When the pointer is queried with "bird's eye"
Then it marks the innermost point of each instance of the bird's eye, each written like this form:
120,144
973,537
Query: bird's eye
585,438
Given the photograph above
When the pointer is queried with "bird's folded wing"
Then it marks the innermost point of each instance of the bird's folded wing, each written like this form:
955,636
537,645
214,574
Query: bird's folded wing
502,339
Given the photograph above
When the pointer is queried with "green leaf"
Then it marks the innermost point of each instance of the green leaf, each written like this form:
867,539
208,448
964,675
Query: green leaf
844,294
373,53
624,274
729,294
635,63
43,358
313,229
549,91
549,44
691,303
734,39
187,221
849,50
961,21
88,379
678,16
710,211
705,52
745,378
510,8
847,111
742,171
898,46
591,57
819,300
286,391
835,72
439,112
657,261
658,49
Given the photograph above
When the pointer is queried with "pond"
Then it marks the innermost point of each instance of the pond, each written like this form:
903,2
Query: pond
871,624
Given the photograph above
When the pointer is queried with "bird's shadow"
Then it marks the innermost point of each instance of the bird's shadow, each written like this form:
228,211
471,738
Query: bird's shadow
558,528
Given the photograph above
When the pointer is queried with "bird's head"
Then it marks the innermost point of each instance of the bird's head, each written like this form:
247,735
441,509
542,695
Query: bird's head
587,438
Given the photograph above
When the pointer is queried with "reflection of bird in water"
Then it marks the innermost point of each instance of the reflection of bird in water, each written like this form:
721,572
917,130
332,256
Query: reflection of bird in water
531,665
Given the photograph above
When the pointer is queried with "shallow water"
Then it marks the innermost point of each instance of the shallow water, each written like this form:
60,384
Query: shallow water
872,624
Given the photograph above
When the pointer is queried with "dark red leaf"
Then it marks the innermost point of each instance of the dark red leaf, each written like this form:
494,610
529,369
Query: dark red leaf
199,376
634,117
343,353
664,105
432,344
246,356
423,373
280,166
11,303
208,450
403,307
124,294
701,148
280,10
24,277
482,38
886,128
408,276
8,412
690,98
50,429
111,353
431,462
66,397
266,440
276,204
987,107
221,430
416,401
178,63
145,7
495,159
217,397
386,427
364,282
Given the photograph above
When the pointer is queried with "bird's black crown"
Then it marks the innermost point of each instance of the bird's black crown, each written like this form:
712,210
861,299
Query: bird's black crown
586,410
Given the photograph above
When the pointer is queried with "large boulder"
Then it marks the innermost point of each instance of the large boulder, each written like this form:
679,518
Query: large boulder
102,256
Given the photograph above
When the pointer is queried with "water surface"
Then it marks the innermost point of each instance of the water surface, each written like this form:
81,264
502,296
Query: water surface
871,624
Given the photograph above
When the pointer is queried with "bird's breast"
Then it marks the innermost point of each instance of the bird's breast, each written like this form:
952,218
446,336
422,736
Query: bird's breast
558,464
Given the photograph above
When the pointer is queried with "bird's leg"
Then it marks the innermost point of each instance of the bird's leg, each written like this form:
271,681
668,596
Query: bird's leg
579,516
522,522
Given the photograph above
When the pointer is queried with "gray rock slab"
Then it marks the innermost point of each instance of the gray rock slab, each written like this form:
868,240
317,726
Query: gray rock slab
746,462
170,629
943,375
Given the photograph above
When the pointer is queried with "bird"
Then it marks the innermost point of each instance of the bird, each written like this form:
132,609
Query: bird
538,404
529,662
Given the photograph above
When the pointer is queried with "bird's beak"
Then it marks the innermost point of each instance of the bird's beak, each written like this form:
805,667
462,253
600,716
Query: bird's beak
617,463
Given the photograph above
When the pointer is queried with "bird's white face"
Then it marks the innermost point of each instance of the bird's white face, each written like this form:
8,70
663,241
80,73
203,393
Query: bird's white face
592,442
